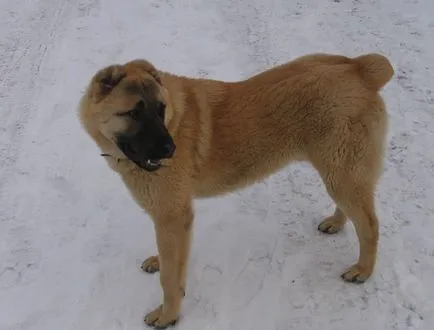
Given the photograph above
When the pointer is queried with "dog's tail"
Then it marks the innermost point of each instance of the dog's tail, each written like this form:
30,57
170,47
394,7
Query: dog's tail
375,69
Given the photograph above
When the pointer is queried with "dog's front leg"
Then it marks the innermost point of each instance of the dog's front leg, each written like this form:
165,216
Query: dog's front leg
173,234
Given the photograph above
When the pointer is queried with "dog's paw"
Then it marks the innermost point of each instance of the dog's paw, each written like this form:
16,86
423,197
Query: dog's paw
331,225
160,320
356,274
151,265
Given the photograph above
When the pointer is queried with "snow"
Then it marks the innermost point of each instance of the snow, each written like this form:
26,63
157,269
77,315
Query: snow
72,239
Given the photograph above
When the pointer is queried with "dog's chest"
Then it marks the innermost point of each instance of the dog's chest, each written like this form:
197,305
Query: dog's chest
143,188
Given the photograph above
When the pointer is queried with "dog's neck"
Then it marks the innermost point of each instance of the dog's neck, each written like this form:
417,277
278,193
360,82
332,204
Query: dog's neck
176,96
116,162
112,153
107,148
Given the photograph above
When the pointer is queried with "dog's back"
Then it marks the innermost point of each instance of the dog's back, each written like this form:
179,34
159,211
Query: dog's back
292,112
374,68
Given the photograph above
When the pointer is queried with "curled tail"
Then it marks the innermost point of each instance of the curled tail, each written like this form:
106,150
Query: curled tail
375,69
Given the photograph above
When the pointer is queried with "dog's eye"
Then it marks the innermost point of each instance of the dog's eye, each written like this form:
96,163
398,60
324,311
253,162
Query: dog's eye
161,110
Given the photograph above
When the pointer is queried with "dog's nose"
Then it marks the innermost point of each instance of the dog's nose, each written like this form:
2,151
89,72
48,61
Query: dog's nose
170,149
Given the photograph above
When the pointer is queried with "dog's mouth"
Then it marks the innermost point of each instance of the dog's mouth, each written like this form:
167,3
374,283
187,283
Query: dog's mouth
151,165
148,158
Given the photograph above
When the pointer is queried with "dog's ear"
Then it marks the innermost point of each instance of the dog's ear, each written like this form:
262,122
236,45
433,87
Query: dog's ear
147,67
107,79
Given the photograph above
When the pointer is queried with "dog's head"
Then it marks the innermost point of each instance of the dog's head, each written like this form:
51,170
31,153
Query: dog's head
126,111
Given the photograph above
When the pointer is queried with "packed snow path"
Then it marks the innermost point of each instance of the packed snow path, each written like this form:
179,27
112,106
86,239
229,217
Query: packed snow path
72,239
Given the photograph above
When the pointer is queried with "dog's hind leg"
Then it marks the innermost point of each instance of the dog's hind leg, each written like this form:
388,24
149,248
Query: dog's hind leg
358,205
151,265
352,189
350,173
350,161
333,223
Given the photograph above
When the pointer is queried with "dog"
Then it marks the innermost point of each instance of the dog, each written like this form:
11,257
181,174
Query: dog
173,139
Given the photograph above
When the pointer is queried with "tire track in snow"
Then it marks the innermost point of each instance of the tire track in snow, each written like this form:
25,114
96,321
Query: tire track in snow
27,39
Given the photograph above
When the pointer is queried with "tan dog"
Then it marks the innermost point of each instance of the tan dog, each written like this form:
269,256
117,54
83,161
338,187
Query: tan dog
325,109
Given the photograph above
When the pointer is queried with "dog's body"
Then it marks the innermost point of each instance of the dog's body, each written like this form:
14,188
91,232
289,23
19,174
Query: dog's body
320,108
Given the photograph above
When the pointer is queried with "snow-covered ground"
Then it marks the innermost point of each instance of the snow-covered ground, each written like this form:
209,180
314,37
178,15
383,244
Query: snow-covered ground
72,239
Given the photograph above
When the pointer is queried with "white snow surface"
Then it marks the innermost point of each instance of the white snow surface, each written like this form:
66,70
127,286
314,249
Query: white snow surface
72,239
